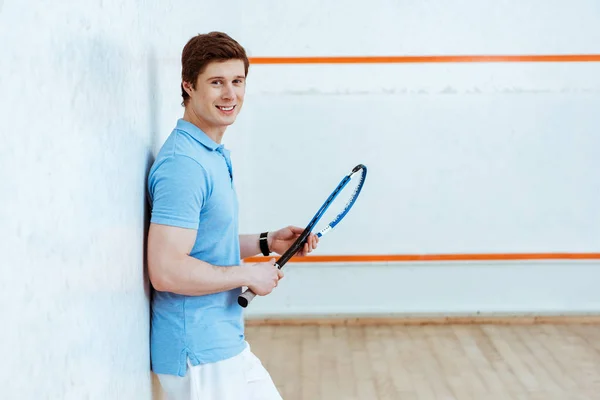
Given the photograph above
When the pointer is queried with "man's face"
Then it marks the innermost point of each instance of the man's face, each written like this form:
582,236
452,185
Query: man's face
219,94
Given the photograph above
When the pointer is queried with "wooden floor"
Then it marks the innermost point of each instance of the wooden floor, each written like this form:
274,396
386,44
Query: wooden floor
537,362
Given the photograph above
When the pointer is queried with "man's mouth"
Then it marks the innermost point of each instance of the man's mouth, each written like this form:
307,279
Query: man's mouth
223,108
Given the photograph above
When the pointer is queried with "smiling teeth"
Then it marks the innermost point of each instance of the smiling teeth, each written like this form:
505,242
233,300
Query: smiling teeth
225,108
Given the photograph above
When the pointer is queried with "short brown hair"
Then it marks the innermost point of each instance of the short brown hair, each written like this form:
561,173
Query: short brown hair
205,48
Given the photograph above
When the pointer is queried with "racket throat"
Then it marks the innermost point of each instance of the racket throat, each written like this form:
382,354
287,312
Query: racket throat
324,231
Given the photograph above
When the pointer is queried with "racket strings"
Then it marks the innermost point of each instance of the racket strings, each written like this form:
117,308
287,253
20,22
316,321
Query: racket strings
341,202
353,195
349,199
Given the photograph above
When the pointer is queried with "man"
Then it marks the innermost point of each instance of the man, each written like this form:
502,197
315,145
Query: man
198,345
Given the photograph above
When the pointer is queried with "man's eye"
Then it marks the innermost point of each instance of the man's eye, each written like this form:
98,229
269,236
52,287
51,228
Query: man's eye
216,82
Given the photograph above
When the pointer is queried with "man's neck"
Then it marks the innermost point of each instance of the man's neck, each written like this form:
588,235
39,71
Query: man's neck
215,133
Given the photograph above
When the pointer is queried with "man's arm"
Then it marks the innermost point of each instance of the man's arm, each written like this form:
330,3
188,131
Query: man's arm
249,245
172,269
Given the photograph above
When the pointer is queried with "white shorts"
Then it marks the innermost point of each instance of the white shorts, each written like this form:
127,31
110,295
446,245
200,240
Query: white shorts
242,377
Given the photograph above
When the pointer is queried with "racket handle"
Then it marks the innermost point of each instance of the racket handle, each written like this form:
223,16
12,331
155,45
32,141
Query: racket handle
245,298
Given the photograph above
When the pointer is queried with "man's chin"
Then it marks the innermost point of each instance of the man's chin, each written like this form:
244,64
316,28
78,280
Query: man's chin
228,121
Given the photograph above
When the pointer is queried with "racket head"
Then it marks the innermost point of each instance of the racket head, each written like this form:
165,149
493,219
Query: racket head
335,208
360,172
341,203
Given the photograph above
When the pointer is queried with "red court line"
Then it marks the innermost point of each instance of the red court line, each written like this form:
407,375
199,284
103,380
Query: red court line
434,257
428,59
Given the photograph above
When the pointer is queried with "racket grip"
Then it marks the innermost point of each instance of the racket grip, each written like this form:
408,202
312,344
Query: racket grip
245,298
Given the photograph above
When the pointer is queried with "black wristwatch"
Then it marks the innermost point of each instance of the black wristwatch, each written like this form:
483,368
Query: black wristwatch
264,245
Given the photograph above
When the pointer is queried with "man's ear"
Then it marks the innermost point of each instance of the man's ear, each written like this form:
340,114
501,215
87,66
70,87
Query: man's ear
187,87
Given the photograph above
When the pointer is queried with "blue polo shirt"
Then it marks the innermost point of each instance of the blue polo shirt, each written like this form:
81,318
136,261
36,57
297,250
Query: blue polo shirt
191,186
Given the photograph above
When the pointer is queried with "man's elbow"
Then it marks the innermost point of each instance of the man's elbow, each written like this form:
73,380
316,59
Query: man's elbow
159,278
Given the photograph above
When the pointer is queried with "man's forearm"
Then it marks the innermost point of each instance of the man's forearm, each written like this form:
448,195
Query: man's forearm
189,276
249,245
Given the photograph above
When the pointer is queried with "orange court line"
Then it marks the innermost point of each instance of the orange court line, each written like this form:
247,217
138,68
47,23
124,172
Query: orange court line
433,257
427,59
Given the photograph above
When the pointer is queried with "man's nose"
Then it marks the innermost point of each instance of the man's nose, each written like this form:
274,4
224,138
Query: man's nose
228,92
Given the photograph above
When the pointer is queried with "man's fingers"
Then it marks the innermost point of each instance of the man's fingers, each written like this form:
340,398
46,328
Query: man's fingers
296,230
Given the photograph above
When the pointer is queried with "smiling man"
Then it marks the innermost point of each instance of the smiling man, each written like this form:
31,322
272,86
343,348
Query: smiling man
198,347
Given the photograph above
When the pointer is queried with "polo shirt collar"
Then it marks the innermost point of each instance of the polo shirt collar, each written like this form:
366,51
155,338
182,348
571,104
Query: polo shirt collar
198,134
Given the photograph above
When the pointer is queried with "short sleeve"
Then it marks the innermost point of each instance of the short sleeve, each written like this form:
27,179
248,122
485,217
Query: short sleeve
178,188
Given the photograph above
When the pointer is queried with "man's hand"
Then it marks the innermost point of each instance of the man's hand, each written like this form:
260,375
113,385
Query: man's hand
263,277
281,240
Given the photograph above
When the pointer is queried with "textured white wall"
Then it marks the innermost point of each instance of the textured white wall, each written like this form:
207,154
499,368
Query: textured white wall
89,90
77,130
80,108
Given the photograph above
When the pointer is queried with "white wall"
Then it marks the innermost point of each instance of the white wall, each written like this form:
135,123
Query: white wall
433,288
77,129
80,112
89,90
463,158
